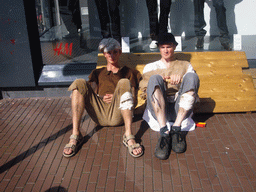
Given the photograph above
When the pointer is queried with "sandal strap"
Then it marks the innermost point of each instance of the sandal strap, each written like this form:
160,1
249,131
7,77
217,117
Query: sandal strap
72,146
134,146
131,147
75,137
129,137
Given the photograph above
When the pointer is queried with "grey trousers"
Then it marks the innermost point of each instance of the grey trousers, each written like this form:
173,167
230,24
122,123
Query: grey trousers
190,82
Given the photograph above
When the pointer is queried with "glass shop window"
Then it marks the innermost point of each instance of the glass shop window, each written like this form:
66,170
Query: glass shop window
70,30
64,32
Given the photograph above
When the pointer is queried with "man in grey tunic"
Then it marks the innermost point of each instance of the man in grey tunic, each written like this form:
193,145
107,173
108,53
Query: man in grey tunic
169,108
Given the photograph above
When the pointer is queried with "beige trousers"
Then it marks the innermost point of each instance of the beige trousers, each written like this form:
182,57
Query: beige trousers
104,114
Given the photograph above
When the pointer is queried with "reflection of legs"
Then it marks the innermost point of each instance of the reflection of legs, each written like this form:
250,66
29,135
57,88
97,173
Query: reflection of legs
115,18
102,8
222,22
153,18
156,99
199,22
165,6
76,17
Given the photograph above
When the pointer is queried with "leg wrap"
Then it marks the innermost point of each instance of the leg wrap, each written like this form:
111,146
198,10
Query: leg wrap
126,101
186,101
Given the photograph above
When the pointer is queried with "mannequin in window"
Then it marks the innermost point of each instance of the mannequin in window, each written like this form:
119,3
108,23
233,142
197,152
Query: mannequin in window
221,22
109,16
153,22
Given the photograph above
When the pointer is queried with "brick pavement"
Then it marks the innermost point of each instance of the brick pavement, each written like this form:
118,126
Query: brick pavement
220,157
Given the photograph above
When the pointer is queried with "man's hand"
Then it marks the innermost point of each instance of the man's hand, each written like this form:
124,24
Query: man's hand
107,98
173,79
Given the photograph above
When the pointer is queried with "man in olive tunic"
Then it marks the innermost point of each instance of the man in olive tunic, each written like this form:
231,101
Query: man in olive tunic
109,98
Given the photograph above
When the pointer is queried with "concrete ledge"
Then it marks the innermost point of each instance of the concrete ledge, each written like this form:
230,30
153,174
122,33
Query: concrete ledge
13,93
54,75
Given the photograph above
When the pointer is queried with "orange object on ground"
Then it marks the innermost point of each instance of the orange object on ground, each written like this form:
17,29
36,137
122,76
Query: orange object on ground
201,124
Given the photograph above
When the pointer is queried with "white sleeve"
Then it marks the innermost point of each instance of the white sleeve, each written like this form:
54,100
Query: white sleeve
148,67
145,69
154,66
190,69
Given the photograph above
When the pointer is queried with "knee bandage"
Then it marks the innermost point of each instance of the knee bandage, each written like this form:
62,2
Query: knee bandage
126,101
186,101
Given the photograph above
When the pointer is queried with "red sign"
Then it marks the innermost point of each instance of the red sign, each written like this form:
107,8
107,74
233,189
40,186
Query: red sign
66,50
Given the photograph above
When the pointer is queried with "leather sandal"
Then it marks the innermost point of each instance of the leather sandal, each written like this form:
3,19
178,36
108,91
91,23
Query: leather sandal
132,147
74,147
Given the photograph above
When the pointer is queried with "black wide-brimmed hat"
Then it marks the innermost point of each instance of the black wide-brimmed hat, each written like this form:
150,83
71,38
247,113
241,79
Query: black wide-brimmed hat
166,38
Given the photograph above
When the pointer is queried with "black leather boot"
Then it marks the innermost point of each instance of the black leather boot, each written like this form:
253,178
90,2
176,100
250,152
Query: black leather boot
178,140
163,148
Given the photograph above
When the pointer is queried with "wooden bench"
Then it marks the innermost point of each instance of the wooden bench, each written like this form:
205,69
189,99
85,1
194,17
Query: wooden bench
223,85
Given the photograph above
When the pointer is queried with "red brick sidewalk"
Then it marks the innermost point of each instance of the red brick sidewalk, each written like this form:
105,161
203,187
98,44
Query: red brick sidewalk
220,157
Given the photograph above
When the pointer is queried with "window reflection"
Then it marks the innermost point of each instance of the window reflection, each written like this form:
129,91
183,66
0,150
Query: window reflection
64,32
71,30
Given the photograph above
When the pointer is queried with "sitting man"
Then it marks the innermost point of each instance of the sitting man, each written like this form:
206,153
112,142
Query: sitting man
108,97
166,111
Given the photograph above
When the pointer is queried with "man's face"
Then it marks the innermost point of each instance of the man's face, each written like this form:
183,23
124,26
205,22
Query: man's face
112,56
167,50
